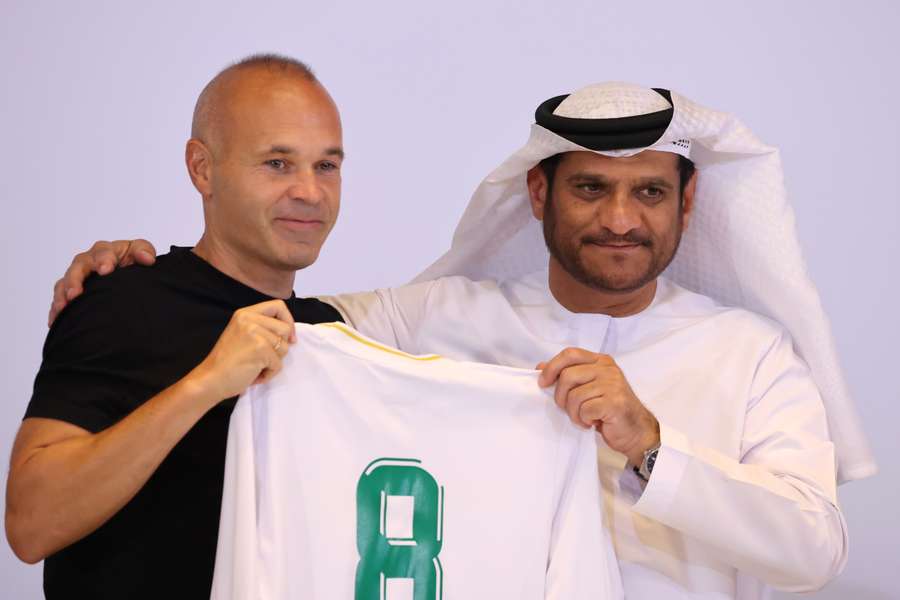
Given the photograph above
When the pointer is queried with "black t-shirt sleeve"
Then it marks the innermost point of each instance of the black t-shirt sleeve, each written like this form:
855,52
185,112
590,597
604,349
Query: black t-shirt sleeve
89,356
313,310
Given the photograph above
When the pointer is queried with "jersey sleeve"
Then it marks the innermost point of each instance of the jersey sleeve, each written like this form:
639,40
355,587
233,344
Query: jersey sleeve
89,357
236,551
773,512
390,315
582,564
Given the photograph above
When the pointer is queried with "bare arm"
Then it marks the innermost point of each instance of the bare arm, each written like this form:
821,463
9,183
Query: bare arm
64,482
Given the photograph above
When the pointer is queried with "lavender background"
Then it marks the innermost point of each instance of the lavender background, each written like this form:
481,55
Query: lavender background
96,106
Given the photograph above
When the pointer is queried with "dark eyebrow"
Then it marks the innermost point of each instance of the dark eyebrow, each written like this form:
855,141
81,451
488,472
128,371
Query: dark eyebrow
588,177
584,176
339,152
658,182
279,149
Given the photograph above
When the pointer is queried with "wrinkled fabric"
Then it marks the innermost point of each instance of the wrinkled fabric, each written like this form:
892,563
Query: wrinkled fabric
300,509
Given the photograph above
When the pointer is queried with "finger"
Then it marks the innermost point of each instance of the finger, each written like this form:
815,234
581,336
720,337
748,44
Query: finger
590,403
129,252
104,257
276,326
540,366
277,309
73,279
281,347
57,303
272,368
278,343
59,293
253,317
267,374
572,377
566,358
55,309
572,406
124,258
143,252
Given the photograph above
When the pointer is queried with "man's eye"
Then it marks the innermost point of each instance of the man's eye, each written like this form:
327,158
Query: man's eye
590,188
652,192
327,166
277,164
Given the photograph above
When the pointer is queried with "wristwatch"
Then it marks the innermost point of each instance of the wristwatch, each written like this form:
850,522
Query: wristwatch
643,472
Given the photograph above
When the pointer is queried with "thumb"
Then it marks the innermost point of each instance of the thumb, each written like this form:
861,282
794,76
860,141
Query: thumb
143,252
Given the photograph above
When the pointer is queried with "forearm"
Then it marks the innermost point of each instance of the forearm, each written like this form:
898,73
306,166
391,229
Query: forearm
778,527
62,491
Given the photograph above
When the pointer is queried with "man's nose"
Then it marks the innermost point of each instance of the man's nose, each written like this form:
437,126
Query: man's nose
306,187
620,213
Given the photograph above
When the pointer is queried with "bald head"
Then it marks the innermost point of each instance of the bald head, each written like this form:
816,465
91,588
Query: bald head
216,103
265,154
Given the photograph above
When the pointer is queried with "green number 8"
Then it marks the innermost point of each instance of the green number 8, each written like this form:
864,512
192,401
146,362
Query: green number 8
382,557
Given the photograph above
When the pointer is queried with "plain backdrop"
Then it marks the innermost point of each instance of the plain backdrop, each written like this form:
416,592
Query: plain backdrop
97,98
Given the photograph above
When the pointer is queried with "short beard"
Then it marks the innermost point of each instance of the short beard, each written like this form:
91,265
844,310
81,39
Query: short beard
572,263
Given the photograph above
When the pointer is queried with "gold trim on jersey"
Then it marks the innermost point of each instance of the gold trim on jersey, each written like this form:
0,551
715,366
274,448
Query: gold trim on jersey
372,344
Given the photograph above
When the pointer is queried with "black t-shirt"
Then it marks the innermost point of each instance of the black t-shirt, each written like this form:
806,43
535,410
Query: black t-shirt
129,336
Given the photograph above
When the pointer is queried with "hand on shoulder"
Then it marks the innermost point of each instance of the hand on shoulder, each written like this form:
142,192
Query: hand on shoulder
101,258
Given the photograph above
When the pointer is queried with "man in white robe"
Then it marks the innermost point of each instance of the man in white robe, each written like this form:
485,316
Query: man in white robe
717,453
743,489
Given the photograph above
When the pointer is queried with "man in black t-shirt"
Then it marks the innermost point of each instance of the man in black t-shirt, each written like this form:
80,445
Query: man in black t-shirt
116,473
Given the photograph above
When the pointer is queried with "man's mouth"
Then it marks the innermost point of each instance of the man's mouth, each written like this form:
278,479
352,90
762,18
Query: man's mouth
617,244
299,224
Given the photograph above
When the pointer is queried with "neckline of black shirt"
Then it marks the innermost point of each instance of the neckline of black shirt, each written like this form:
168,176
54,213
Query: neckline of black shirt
241,293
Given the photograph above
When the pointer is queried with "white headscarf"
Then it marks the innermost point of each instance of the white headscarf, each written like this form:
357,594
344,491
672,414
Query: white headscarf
741,248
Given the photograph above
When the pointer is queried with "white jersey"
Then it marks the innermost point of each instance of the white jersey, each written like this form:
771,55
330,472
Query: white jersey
364,472
743,489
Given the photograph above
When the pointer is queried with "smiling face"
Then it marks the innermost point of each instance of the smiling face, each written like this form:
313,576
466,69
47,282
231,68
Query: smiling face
269,170
612,224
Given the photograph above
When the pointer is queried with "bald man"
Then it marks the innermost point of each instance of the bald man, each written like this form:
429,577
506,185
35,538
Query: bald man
116,472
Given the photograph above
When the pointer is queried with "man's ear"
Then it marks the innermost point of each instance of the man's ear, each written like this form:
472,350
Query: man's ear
537,191
687,201
198,159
